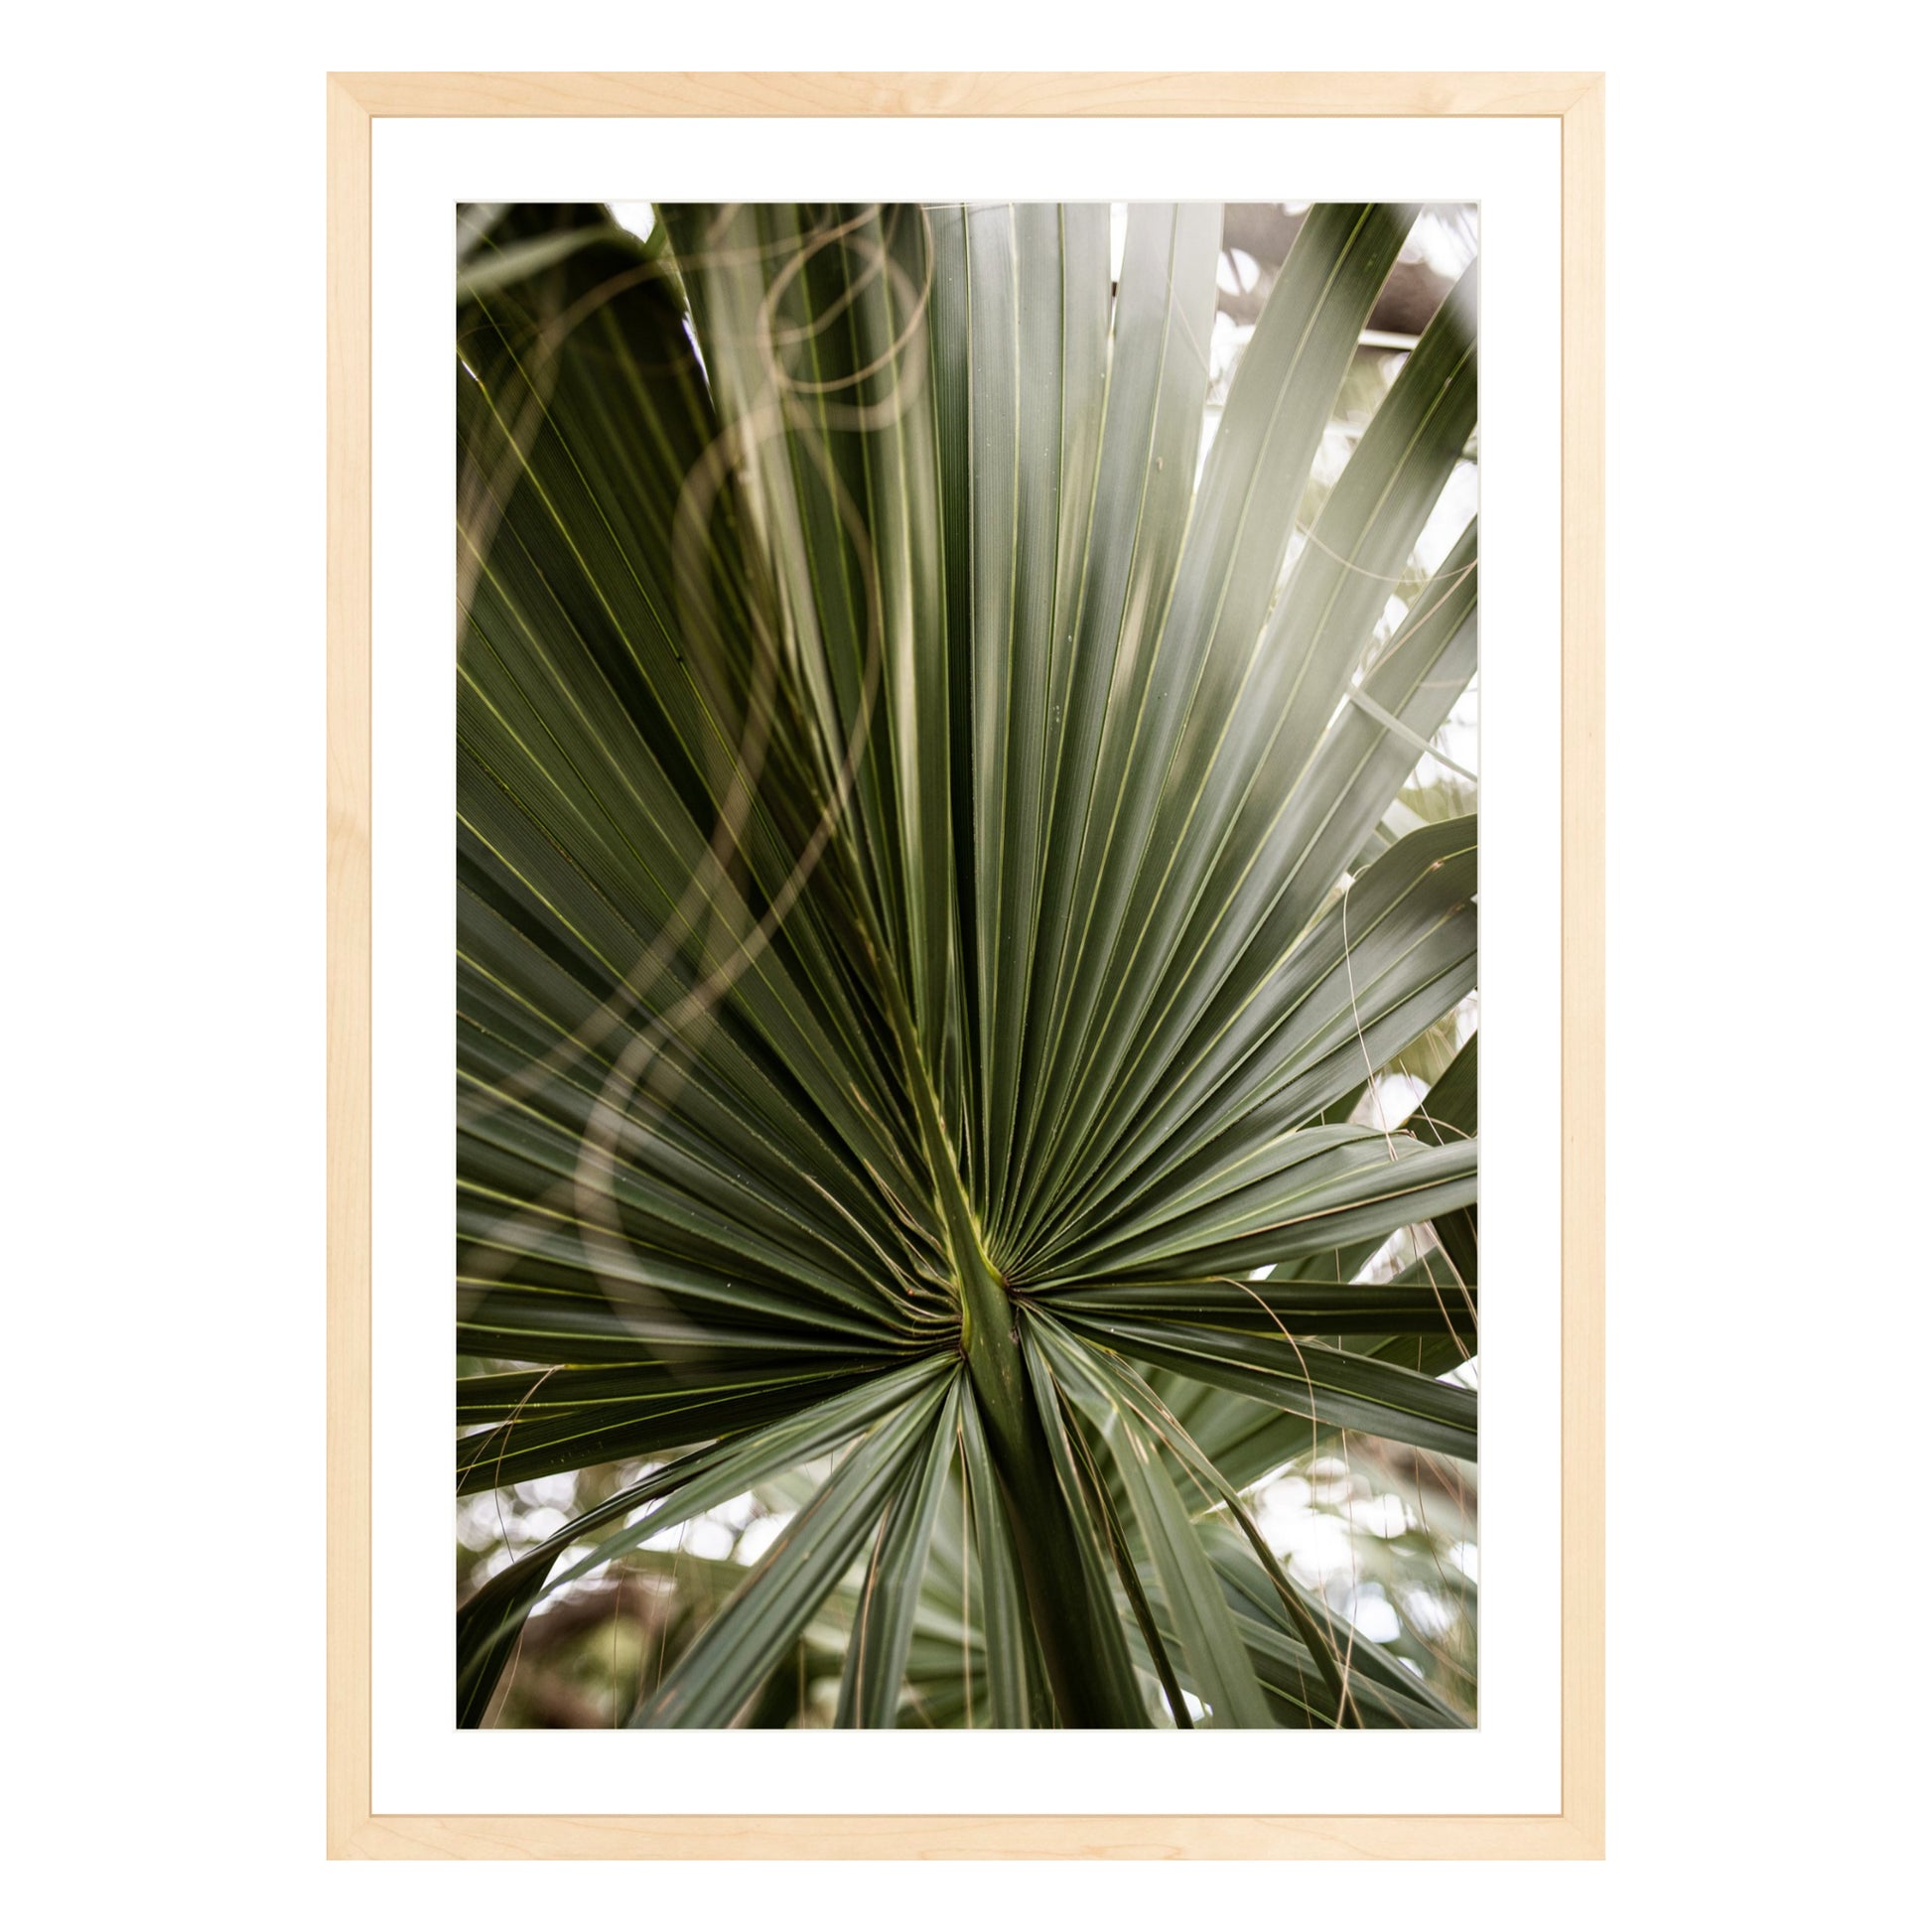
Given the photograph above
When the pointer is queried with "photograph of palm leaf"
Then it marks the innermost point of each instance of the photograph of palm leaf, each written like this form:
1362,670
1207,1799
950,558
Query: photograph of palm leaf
966,965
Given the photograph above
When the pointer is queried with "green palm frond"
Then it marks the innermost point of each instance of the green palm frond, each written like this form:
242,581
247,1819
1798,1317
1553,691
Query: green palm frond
935,905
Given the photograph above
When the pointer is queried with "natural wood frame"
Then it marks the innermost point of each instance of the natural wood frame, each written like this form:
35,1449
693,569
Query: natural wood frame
354,99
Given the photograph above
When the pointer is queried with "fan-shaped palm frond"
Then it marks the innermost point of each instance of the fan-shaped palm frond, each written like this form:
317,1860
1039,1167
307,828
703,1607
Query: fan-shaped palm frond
931,908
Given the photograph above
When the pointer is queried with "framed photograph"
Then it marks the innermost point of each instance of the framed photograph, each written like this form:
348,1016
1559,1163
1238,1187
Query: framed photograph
918,1040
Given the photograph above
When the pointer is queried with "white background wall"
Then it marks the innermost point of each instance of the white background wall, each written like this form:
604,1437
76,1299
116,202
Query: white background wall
163,833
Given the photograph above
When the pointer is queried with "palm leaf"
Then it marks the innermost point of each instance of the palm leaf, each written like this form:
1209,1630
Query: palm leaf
929,918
